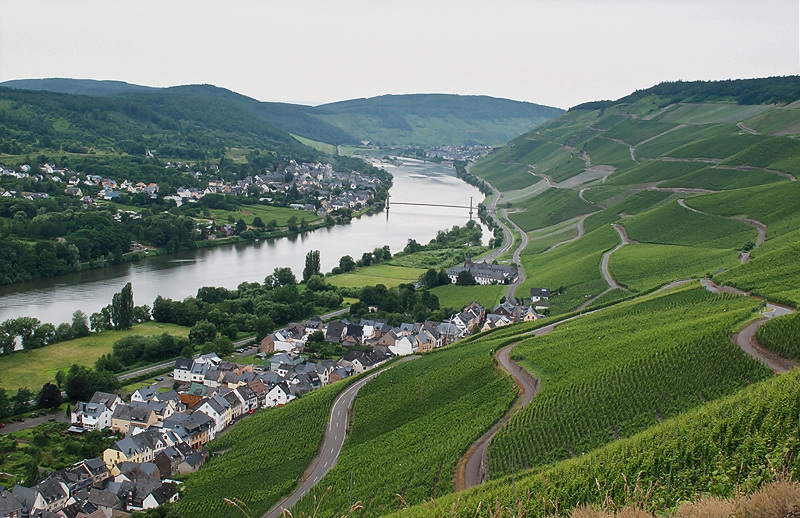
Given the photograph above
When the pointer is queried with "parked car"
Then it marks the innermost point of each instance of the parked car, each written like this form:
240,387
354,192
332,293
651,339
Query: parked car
160,378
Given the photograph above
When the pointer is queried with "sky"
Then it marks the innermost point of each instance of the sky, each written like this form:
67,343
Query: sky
552,52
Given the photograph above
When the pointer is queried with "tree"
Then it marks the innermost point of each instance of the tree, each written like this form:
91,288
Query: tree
80,324
312,266
412,246
122,308
284,277
78,388
317,283
63,332
465,278
20,403
141,313
99,322
366,259
241,226
202,332
43,335
346,263
26,326
49,396
8,337
5,404
258,222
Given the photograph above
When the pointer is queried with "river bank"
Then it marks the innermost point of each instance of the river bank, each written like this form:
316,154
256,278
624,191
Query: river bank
179,275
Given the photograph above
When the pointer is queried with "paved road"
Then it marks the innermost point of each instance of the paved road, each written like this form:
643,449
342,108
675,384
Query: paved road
581,232
508,239
332,442
623,236
746,338
516,259
59,416
472,469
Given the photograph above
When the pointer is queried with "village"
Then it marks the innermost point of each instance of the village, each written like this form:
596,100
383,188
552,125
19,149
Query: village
162,431
331,190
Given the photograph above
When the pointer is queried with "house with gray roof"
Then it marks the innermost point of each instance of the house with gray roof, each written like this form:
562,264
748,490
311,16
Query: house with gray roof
10,507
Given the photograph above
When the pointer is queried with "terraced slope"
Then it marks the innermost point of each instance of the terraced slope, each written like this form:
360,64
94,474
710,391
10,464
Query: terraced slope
725,447
630,162
622,370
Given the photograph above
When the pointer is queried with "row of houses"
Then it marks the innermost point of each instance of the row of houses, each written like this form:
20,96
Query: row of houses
90,489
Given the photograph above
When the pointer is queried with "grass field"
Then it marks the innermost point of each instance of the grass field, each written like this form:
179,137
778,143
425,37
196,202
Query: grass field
720,448
614,373
674,225
264,455
708,113
409,427
720,146
776,205
778,121
436,259
329,149
549,208
266,213
641,267
772,273
385,274
719,179
459,296
573,269
34,368
781,153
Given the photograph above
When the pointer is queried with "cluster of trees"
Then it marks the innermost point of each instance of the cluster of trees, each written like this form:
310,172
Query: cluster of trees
252,307
769,90
33,334
78,382
135,350
403,304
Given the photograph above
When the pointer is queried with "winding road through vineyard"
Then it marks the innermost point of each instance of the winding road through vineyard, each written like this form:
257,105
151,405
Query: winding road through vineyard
332,442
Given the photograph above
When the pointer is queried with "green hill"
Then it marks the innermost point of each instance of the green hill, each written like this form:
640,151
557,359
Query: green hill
435,119
633,162
172,125
415,120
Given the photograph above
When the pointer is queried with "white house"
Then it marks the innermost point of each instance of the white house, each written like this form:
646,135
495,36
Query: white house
279,395
97,413
404,346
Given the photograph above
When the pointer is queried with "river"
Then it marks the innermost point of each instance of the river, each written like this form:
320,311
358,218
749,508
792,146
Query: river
179,275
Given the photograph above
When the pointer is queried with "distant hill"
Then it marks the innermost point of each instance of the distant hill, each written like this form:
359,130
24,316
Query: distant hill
171,124
76,86
435,119
418,119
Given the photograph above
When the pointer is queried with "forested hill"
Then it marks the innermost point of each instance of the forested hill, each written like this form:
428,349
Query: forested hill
418,120
768,90
63,85
171,125
436,118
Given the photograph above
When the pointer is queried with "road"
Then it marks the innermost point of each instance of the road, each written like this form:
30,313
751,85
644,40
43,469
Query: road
516,259
581,232
471,469
623,236
746,338
332,442
59,416
508,239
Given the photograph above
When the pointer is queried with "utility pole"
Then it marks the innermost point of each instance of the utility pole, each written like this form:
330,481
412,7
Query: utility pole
470,208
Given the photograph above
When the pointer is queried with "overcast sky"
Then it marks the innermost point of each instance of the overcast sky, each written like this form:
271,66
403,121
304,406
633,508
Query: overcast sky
553,52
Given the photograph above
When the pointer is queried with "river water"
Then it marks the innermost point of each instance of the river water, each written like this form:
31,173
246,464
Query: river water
179,275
